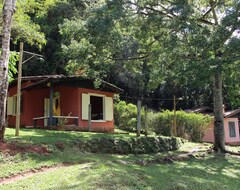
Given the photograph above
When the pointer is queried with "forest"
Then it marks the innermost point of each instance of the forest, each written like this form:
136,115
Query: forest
151,49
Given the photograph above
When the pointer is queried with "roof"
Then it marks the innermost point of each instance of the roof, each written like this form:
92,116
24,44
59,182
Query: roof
231,112
209,111
62,80
198,110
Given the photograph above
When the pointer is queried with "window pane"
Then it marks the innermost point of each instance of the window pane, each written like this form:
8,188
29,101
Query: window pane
232,130
97,107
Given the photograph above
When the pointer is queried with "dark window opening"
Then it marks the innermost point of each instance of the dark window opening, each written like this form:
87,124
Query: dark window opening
97,107
232,130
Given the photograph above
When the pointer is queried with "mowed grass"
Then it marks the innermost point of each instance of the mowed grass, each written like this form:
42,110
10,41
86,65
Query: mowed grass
218,173
39,136
106,171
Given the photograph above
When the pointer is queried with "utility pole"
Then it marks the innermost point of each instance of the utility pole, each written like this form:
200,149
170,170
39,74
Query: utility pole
19,81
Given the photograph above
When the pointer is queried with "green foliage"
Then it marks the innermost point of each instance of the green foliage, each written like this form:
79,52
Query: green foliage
12,64
14,56
189,125
125,116
23,27
142,145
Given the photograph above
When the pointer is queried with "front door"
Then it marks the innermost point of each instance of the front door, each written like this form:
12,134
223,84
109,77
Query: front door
46,110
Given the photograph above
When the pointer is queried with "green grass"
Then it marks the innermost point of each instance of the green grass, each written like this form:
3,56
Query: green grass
39,136
216,172
106,171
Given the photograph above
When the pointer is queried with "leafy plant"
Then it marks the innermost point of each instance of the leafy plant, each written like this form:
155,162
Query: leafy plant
189,125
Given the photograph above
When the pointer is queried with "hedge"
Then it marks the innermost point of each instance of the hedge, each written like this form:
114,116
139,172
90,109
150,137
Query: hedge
141,145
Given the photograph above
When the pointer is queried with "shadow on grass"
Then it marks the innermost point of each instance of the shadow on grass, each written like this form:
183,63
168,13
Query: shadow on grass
216,172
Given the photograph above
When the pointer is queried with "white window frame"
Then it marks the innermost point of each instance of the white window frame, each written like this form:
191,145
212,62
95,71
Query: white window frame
13,109
14,113
104,107
234,129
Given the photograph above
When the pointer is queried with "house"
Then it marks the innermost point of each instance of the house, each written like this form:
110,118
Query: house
58,100
231,125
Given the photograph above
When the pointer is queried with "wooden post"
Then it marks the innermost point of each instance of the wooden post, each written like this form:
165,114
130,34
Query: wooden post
145,121
89,117
139,118
19,81
51,105
174,116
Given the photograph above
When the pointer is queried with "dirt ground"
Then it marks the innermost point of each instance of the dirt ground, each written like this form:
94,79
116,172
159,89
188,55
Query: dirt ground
13,149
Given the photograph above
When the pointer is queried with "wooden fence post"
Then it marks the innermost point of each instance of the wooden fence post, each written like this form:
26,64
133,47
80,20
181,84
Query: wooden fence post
139,118
89,117
146,121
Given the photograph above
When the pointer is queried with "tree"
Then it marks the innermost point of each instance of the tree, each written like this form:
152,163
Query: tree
174,38
7,14
199,35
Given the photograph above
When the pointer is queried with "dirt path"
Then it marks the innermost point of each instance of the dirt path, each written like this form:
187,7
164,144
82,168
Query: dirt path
29,173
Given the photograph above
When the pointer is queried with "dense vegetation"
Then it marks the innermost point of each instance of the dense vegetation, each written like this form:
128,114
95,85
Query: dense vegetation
127,43
190,126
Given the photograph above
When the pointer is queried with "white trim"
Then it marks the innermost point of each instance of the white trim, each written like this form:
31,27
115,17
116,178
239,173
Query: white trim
99,95
85,102
108,108
98,121
10,105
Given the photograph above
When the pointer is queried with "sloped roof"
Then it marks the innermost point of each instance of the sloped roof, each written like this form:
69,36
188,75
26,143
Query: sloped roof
62,80
198,110
209,111
231,112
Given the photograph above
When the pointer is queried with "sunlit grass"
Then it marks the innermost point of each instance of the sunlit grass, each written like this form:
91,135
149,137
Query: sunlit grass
39,136
213,172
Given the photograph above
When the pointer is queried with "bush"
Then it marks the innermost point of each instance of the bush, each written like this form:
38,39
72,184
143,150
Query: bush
189,125
141,145
125,116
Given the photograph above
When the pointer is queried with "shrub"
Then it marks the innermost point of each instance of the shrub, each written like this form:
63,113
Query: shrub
125,116
189,125
141,145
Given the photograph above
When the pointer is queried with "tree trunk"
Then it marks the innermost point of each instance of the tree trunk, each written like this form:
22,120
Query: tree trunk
7,13
219,143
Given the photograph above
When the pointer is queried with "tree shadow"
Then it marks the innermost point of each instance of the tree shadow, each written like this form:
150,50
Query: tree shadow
211,173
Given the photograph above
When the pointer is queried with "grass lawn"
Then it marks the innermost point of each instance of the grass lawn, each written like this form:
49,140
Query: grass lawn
39,136
106,171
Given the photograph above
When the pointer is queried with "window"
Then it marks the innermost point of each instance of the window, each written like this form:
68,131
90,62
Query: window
232,130
102,107
97,107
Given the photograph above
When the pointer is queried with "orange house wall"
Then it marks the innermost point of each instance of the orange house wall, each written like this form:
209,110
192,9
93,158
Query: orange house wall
71,102
103,126
68,101
209,133
33,106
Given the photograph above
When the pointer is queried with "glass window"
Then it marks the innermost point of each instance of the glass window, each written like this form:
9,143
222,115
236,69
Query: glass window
232,130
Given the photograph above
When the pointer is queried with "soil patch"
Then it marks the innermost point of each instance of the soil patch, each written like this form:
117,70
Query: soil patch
13,149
